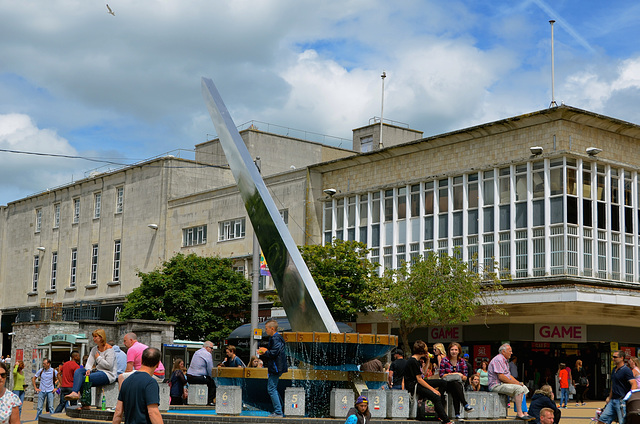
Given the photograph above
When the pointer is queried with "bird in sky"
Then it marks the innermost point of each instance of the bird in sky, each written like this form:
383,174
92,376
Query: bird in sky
110,12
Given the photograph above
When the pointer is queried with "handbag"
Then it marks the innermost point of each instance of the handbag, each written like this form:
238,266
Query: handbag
425,411
583,381
452,377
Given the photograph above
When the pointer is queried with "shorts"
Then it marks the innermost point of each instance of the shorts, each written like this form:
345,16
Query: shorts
512,390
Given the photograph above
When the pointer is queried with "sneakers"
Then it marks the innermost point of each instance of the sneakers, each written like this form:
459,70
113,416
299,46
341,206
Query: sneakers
274,415
526,417
468,408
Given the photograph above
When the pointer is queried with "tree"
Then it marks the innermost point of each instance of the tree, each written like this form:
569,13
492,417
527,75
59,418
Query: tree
436,290
344,276
204,296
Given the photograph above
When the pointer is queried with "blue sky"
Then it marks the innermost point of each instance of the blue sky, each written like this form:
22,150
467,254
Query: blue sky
77,81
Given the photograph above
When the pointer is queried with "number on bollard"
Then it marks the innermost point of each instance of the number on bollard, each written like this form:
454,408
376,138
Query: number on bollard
400,400
294,398
225,396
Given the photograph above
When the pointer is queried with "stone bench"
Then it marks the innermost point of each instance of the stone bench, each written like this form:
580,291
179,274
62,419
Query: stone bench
486,405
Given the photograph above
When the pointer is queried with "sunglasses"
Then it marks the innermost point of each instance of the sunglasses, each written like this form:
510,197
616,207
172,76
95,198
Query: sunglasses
615,357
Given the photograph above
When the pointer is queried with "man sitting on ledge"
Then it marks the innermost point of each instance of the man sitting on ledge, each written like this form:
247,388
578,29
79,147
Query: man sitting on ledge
501,381
200,369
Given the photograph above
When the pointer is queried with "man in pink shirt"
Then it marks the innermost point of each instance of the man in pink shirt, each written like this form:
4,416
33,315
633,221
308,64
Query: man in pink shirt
501,380
134,358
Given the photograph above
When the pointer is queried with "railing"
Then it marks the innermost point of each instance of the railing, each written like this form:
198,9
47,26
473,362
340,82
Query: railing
55,312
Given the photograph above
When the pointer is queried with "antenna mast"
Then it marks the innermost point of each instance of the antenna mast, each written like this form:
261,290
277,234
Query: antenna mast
383,76
553,82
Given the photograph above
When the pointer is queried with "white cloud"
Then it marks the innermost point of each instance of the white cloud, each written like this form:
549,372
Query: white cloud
31,173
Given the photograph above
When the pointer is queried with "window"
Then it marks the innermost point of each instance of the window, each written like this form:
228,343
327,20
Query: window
97,203
116,260
38,220
74,267
194,235
36,272
363,208
76,211
351,218
56,215
328,222
366,144
232,229
284,214
94,264
340,219
119,199
54,269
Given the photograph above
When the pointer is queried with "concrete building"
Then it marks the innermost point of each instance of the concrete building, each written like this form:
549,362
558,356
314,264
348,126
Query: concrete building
553,197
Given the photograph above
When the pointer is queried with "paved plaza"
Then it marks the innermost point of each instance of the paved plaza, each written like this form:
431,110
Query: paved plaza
572,415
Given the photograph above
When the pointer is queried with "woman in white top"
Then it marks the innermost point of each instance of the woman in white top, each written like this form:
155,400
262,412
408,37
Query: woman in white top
101,367
9,401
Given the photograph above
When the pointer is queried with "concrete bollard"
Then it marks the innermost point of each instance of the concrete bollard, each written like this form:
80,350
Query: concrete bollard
228,400
377,402
111,392
341,401
165,396
398,404
294,402
198,394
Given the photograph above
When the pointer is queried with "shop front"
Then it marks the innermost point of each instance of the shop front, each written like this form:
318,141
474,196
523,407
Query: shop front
540,348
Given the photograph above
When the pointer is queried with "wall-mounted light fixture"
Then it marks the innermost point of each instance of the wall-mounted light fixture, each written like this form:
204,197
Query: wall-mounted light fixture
536,150
153,226
592,151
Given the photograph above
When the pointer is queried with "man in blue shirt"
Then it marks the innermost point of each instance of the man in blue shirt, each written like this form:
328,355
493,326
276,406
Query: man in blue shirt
48,379
622,381
139,395
275,359
200,369
231,359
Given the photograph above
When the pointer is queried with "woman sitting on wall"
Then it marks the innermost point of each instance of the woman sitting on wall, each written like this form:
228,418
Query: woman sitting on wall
474,383
101,366
454,370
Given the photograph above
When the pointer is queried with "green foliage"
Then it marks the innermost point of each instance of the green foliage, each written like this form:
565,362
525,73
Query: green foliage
436,290
204,296
344,276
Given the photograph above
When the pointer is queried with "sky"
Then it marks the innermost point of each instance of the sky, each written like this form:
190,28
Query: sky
83,90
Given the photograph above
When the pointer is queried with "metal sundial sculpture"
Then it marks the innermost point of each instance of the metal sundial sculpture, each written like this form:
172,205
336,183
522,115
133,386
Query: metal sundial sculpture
302,301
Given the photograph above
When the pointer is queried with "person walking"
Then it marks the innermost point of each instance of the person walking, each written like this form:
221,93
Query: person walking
178,383
139,395
67,370
275,358
18,383
48,379
622,380
563,378
581,381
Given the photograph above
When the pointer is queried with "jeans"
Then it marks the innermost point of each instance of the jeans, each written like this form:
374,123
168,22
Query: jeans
97,378
41,396
272,389
20,394
63,402
614,409
564,396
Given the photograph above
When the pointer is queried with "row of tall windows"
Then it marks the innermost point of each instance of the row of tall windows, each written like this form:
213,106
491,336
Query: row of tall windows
73,271
558,216
97,209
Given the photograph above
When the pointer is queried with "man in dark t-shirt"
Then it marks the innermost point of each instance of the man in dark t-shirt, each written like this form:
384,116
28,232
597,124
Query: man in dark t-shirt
396,370
622,380
139,395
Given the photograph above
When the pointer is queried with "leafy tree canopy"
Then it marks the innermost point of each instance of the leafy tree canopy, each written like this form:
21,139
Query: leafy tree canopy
436,290
204,296
344,276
